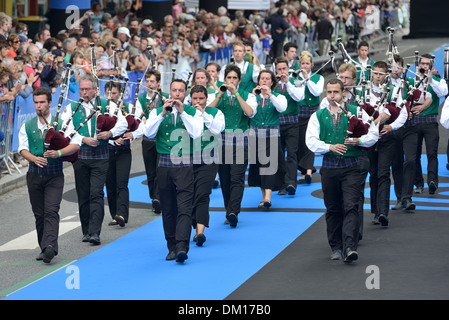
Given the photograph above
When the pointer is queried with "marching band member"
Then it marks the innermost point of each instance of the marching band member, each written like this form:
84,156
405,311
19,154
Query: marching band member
362,61
175,168
313,88
233,103
45,177
425,116
289,126
149,152
206,167
265,126
120,159
92,165
340,172
249,72
203,78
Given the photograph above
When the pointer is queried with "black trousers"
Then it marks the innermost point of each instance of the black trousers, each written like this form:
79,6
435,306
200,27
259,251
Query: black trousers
45,197
289,163
204,179
176,190
150,159
117,181
385,153
90,178
305,157
341,191
397,164
404,182
373,168
364,168
429,133
232,178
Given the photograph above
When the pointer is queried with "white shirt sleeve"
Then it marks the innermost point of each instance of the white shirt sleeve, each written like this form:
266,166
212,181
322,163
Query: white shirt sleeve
152,124
316,88
297,93
440,87
279,102
252,101
194,125
444,119
215,124
313,141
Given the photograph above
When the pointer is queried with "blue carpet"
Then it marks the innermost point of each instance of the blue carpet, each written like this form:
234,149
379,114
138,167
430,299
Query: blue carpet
134,266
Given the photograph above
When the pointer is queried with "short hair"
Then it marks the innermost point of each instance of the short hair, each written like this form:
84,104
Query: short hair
272,75
381,65
289,45
112,84
180,81
348,67
198,89
363,44
233,67
153,72
336,81
208,77
279,60
43,91
306,55
398,59
426,56
88,77
216,65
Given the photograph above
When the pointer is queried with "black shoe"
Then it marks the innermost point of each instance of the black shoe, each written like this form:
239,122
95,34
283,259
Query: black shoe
49,253
282,192
181,256
375,219
95,239
156,206
232,218
216,184
86,238
308,179
120,221
383,220
291,190
419,189
170,256
432,187
200,239
447,166
398,206
267,204
40,257
408,205
350,255
112,223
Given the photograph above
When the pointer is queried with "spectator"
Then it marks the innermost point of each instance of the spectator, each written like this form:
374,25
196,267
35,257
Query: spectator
278,29
323,33
14,44
42,36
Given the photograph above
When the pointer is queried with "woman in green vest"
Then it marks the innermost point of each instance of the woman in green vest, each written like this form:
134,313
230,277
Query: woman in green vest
314,84
205,160
233,103
202,77
265,127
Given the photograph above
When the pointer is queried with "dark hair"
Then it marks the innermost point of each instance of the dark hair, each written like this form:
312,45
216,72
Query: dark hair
216,65
363,44
272,75
113,84
398,59
153,72
198,89
336,81
426,56
289,45
41,91
280,60
233,67
179,80
381,65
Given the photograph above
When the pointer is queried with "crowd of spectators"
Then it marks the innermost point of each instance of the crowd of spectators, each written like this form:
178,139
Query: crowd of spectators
188,33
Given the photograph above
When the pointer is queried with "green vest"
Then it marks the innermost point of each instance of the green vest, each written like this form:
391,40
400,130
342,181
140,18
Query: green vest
359,69
79,118
235,118
165,142
266,115
309,99
143,103
434,106
208,140
35,138
336,133
246,82
292,105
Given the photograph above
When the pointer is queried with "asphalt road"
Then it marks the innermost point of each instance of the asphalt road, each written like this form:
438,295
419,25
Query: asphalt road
18,245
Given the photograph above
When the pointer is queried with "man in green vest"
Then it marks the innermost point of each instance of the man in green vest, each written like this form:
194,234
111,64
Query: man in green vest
175,126
149,152
362,61
249,72
425,117
92,165
205,165
45,177
340,171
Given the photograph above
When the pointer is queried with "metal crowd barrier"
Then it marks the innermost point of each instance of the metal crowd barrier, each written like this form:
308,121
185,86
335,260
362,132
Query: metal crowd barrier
7,126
